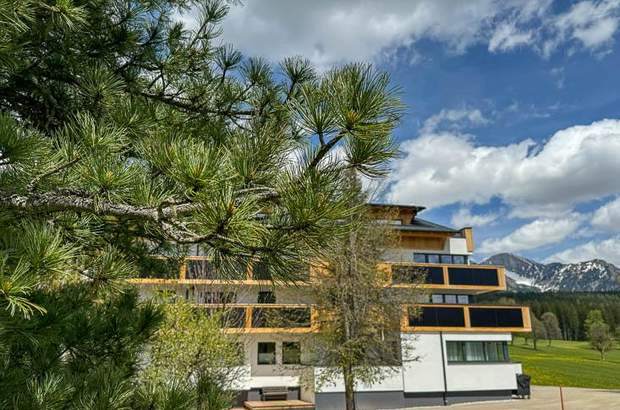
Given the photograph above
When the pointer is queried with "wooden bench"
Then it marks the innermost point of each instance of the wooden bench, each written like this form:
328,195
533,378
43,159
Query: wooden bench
274,393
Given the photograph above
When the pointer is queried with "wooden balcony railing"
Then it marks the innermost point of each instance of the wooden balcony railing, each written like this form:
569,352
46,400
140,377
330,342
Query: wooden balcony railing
467,318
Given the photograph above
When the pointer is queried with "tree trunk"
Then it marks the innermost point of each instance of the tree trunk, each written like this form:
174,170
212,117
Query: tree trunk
349,384
535,340
548,342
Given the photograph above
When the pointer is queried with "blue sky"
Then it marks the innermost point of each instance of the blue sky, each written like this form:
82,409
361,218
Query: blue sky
513,121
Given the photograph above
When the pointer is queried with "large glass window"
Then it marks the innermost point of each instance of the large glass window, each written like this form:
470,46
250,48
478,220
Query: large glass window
266,353
459,351
291,353
419,257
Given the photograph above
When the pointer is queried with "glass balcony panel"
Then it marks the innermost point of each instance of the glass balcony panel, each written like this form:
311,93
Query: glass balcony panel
473,276
201,269
496,317
230,317
439,316
411,274
281,317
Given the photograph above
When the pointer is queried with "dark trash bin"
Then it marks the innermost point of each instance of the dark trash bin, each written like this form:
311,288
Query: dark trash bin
523,385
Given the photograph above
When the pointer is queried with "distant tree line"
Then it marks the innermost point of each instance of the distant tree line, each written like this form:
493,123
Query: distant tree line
571,309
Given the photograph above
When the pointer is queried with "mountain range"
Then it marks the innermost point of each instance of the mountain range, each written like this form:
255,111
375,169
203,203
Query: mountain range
525,275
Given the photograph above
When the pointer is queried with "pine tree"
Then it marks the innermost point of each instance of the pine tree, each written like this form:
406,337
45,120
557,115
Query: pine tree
123,135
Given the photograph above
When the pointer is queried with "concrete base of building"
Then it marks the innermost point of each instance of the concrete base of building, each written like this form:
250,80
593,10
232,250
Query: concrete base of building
399,399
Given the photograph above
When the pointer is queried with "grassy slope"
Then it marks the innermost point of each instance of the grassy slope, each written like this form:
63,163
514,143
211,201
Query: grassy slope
568,364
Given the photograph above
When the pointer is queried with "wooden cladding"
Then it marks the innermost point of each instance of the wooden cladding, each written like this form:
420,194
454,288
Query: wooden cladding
468,234
422,241
466,318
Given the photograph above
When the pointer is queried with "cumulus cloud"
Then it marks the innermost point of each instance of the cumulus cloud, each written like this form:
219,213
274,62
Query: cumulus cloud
454,119
538,233
607,249
607,217
535,179
330,32
464,217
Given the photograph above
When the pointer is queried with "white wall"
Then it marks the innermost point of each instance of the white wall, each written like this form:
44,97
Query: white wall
426,373
392,381
457,246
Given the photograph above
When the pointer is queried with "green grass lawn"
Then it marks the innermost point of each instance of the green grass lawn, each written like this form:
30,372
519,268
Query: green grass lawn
572,364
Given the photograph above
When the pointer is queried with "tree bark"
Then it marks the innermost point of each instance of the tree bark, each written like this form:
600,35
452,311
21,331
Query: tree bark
349,386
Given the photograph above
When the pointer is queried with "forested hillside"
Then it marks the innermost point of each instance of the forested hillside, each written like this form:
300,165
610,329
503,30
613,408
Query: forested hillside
571,308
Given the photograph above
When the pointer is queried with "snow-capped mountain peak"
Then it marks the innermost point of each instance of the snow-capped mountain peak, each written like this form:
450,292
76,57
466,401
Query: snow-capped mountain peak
593,275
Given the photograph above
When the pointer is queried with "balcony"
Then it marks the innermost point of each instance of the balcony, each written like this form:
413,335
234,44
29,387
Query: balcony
199,270
468,318
266,318
470,279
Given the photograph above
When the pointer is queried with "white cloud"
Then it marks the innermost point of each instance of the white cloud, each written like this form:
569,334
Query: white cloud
507,36
454,119
591,23
535,179
607,249
607,217
464,217
538,233
330,32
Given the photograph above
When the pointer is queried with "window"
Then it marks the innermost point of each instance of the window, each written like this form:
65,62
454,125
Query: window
440,258
291,353
266,353
450,299
436,298
266,297
477,351
463,299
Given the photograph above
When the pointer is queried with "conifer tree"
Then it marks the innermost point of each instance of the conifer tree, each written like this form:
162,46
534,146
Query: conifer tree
552,327
125,134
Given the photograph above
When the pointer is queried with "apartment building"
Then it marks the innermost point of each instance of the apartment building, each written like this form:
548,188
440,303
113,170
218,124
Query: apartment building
460,346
